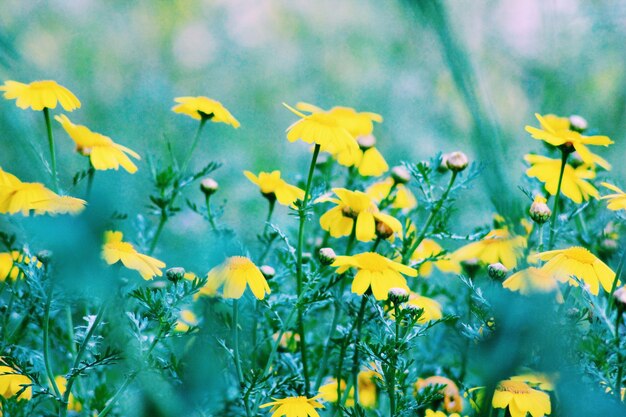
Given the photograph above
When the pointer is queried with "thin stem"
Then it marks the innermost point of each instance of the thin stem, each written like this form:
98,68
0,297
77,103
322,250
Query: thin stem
620,361
389,198
327,346
53,158
237,357
209,212
540,245
557,197
429,220
194,143
618,274
270,211
157,234
355,356
91,173
46,344
391,385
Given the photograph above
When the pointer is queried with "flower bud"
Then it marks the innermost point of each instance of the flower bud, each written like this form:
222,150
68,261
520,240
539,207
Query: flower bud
209,186
366,141
539,210
398,295
327,256
267,271
44,256
383,230
456,161
578,123
175,274
620,297
497,271
400,174
608,246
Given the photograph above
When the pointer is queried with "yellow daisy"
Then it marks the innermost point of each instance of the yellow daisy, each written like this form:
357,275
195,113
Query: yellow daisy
275,188
23,197
186,319
404,198
376,272
432,308
498,246
39,95
371,163
356,123
452,401
328,392
557,132
72,403
234,274
11,382
8,267
201,107
115,250
573,184
102,151
368,391
521,399
356,206
617,201
294,407
531,280
428,249
563,264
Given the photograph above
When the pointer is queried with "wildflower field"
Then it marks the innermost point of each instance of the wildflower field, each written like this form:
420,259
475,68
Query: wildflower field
305,209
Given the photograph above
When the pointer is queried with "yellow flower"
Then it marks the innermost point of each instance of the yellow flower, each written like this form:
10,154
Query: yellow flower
617,201
203,107
404,198
537,380
563,264
557,132
431,307
375,271
294,407
521,399
102,151
368,392
234,274
327,131
356,206
115,250
452,401
371,163
356,123
8,267
573,185
186,319
432,413
11,382
274,187
39,95
23,197
498,246
72,403
328,392
289,341
531,280
428,249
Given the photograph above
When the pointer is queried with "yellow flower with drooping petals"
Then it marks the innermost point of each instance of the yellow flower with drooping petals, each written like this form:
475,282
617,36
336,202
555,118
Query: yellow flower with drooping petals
72,403
573,185
325,130
432,309
356,123
371,163
23,197
541,381
428,249
102,151
521,399
617,201
39,95
498,246
404,198
234,274
201,107
274,187
557,132
328,392
530,281
563,264
12,382
294,407
356,206
452,401
115,250
8,267
186,319
368,391
376,272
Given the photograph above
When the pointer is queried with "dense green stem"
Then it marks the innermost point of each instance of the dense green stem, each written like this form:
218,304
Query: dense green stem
237,357
557,197
46,343
327,345
53,158
196,138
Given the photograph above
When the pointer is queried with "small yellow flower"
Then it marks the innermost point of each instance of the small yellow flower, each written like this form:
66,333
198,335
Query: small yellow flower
186,319
274,187
404,198
327,131
23,197
432,413
521,399
12,382
573,184
356,206
294,407
115,250
557,132
72,403
375,271
203,107
371,163
531,280
328,392
234,274
541,381
452,401
498,246
432,308
356,123
289,341
39,95
563,264
102,151
368,391
617,201
428,249
8,267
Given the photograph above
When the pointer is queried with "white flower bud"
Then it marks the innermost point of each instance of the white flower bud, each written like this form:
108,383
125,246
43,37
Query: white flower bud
456,161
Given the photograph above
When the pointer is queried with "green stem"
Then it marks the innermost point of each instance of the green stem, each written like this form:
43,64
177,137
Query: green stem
618,274
390,198
196,138
391,385
540,245
429,220
557,197
620,362
237,357
91,173
53,158
357,338
327,346
272,204
209,212
157,234
46,344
